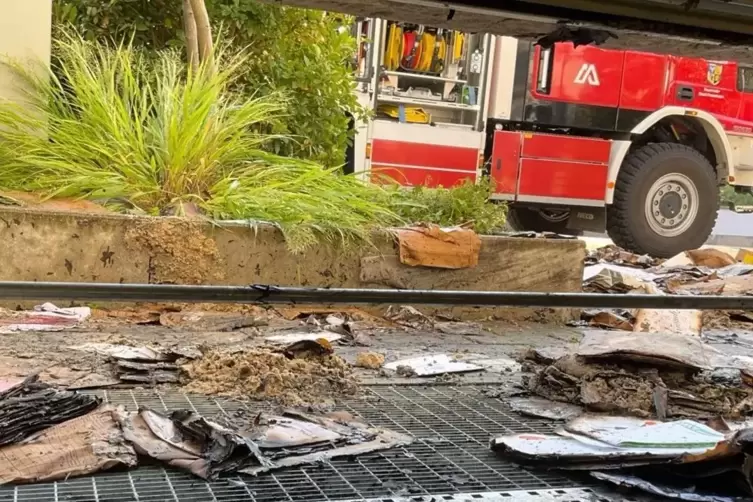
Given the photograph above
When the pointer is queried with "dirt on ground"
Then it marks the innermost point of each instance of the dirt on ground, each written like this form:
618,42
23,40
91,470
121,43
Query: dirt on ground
370,360
225,329
38,202
264,374
152,313
716,319
180,251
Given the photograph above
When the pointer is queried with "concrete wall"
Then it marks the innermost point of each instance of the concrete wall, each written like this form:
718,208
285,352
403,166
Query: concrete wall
25,36
49,246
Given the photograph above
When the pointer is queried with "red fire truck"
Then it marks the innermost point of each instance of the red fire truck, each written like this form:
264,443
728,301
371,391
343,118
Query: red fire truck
573,138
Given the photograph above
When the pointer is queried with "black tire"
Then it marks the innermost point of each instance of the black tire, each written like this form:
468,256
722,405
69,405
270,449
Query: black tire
526,219
627,223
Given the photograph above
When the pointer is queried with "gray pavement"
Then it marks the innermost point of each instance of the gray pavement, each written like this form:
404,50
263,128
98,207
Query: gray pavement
732,229
734,224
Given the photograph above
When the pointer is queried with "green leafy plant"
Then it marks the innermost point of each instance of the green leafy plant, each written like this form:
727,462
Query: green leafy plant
297,52
145,132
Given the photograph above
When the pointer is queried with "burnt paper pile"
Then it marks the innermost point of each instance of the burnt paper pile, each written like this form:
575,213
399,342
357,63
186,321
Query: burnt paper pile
684,459
646,375
28,406
706,271
207,448
144,365
111,437
46,434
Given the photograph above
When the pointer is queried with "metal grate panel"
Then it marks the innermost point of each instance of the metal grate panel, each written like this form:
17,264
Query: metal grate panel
450,459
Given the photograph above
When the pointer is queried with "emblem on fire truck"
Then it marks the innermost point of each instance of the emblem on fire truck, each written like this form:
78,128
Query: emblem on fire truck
714,73
587,75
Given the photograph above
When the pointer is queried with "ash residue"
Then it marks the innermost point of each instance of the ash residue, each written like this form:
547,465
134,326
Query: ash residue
640,390
265,374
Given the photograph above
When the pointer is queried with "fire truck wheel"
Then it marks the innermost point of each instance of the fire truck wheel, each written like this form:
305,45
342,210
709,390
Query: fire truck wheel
526,219
665,201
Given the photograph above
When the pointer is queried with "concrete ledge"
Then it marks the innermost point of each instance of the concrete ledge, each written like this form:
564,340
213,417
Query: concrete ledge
52,246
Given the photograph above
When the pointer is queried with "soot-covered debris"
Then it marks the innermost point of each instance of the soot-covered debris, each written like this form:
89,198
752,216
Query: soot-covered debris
28,406
618,256
110,437
208,448
144,365
706,271
645,375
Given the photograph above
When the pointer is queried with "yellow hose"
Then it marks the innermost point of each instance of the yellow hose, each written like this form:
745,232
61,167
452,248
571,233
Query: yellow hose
457,46
394,49
427,52
432,50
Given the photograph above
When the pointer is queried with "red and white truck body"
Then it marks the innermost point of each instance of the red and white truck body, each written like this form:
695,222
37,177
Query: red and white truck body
616,95
578,138
438,154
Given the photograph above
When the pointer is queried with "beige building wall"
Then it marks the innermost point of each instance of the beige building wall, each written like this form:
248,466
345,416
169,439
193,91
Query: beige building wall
25,35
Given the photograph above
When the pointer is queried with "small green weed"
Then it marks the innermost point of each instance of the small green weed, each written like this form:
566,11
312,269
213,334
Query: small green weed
466,203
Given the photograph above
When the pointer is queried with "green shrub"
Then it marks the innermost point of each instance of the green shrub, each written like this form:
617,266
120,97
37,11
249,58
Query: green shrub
297,52
728,196
466,203
139,130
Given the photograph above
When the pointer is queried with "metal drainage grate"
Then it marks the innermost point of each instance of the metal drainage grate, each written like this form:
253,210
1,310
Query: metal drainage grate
450,459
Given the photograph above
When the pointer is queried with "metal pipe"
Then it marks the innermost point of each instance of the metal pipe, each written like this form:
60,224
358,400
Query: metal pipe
263,294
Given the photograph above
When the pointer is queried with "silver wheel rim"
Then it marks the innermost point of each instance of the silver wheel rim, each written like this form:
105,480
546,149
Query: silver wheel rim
554,215
671,205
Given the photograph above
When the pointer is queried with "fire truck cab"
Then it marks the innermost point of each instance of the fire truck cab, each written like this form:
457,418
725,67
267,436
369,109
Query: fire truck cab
572,138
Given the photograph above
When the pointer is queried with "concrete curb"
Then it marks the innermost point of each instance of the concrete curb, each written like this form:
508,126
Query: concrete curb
52,246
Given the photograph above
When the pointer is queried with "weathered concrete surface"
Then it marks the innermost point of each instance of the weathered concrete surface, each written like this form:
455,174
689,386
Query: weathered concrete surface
25,38
49,246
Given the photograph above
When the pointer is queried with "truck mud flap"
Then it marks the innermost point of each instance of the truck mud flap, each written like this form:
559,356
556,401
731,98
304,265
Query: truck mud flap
588,219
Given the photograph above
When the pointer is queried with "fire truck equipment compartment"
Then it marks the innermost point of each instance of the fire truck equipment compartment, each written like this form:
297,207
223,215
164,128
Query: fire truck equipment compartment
550,166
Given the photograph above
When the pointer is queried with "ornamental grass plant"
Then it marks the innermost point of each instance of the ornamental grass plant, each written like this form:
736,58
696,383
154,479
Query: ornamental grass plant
139,131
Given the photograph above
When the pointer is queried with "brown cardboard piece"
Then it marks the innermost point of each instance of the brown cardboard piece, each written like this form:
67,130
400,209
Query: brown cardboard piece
665,349
436,247
710,257
676,322
84,445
